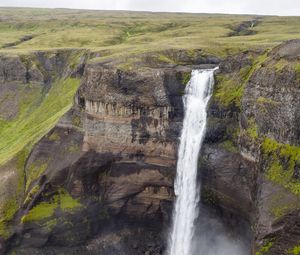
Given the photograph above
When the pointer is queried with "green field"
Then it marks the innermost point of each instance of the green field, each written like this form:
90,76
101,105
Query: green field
113,33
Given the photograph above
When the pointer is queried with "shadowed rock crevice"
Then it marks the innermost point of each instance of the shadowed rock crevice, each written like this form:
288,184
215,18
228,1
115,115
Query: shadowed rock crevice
244,28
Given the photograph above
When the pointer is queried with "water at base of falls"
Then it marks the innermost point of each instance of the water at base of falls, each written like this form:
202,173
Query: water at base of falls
197,95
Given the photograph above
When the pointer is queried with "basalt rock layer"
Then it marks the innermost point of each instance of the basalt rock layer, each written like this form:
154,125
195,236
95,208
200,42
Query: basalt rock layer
101,180
104,174
250,159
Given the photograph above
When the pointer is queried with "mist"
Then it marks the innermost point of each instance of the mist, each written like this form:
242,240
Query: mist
213,237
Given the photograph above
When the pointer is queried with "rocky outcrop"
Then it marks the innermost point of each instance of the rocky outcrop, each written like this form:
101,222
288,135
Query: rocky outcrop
102,179
114,153
270,113
249,163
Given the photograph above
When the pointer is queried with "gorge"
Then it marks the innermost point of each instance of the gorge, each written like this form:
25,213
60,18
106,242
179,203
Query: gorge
92,131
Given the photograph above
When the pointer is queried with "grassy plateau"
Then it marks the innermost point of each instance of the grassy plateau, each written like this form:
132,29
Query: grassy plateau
116,35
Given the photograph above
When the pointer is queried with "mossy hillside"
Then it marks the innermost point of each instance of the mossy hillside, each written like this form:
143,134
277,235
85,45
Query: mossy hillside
8,211
264,249
297,70
229,145
279,166
46,209
281,161
229,88
14,199
31,194
34,171
186,78
294,251
37,116
252,129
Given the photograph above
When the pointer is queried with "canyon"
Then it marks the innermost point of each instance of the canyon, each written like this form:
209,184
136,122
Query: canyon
98,178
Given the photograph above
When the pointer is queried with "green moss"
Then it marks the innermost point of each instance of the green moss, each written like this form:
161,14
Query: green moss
42,211
75,57
229,146
37,116
281,161
50,224
68,203
230,88
7,213
295,250
297,70
34,172
31,194
280,205
263,100
54,137
12,203
186,78
73,148
228,91
45,210
3,229
265,248
279,212
76,121
165,59
281,64
252,129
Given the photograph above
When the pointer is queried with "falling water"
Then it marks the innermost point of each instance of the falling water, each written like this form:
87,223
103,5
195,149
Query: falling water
198,93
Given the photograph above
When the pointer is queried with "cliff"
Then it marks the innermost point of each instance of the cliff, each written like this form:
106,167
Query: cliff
251,154
99,176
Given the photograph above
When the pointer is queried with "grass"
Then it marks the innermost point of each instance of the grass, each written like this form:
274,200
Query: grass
14,199
230,88
295,250
265,248
252,130
34,171
266,101
229,146
9,209
121,35
125,33
297,69
45,210
281,161
38,114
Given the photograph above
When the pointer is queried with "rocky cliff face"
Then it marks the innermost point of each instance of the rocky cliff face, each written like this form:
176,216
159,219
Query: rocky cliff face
104,175
102,179
270,109
251,155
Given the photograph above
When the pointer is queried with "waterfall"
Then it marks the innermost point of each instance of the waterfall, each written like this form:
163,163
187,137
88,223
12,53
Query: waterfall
197,95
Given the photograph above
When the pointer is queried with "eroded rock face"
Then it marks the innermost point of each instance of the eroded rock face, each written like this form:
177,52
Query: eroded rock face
238,178
106,170
115,152
271,101
272,98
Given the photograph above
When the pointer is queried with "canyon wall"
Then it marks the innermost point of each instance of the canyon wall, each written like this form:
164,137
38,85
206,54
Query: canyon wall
101,180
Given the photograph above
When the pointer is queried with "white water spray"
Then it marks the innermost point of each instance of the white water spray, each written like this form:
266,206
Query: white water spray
198,93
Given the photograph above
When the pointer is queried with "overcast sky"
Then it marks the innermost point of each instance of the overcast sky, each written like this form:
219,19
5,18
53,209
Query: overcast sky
272,7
